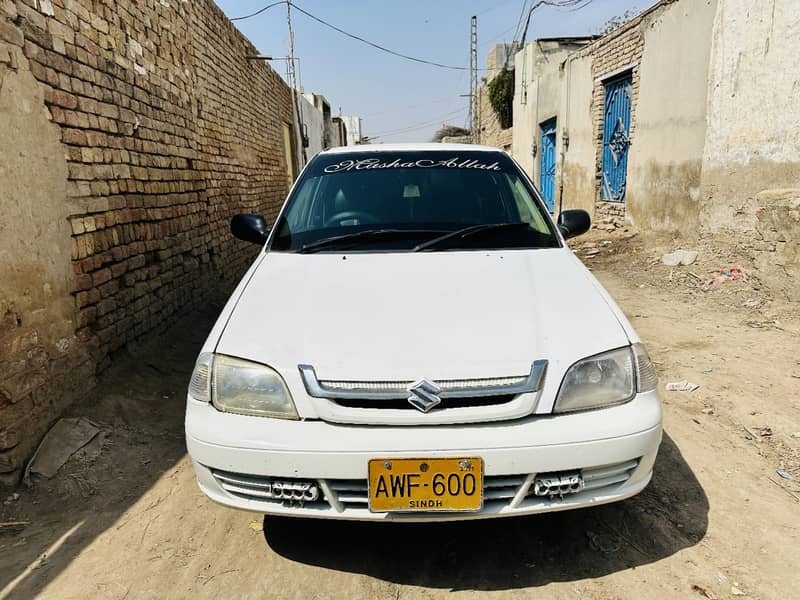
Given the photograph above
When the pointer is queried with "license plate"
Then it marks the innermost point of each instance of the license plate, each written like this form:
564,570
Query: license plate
425,484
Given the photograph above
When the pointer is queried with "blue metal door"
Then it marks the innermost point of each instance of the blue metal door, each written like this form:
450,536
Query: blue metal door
616,139
547,164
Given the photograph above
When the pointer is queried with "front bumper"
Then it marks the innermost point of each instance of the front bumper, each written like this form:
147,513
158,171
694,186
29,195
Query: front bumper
614,448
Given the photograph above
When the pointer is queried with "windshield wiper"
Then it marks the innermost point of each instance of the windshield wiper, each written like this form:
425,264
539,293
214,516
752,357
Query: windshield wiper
467,232
358,236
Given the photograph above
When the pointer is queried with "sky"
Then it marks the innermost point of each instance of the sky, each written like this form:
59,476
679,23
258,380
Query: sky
399,100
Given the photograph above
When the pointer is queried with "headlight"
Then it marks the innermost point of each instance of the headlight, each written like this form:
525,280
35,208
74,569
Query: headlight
239,386
600,380
606,379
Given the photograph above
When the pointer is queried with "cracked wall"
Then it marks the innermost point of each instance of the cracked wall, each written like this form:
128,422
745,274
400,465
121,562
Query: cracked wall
751,160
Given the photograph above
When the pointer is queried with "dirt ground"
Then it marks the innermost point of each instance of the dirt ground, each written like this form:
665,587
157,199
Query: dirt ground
124,518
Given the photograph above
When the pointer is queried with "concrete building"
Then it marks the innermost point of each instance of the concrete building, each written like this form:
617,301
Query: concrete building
685,119
312,125
338,132
319,101
537,106
353,126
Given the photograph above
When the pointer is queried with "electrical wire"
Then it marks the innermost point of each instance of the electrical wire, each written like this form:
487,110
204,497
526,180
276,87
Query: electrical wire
518,28
378,46
416,126
355,37
571,5
258,12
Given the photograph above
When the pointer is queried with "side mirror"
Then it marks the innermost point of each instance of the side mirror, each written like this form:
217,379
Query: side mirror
250,228
574,222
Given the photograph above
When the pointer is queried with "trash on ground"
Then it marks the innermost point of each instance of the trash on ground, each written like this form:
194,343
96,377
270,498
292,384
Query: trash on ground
679,257
737,592
256,526
785,475
63,440
764,431
728,274
682,386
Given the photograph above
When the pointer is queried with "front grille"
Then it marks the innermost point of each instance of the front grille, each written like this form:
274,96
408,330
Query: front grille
437,401
498,490
400,387
403,404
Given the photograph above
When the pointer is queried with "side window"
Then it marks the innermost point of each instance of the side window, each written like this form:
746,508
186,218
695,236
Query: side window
299,220
528,210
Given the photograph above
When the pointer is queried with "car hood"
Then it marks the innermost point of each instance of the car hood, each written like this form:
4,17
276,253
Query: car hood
404,316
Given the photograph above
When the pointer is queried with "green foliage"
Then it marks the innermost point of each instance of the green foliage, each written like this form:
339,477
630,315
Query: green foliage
501,96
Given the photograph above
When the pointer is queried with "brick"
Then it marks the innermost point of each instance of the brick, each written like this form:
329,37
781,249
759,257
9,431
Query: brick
101,276
63,99
11,34
74,136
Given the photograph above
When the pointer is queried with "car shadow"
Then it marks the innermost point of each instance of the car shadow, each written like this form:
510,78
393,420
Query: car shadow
671,514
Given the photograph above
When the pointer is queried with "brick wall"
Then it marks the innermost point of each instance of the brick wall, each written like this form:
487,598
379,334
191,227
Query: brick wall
167,130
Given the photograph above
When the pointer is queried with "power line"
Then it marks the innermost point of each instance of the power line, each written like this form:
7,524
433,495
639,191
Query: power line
416,126
378,46
258,12
518,28
356,37
572,5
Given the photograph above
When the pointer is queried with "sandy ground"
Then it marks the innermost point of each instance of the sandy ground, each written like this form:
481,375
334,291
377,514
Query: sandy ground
124,518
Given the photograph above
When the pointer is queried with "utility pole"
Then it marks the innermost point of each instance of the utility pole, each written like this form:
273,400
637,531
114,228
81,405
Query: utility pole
473,84
290,67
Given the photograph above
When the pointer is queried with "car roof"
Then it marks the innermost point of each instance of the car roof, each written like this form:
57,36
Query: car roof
420,147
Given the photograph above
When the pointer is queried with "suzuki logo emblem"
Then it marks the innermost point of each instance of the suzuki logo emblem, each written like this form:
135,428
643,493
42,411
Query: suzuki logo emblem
424,395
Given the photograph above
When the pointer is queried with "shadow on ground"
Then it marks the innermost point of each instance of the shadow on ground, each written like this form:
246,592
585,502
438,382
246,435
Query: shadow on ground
670,515
139,404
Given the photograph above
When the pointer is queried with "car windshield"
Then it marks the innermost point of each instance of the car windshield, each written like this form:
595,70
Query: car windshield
412,201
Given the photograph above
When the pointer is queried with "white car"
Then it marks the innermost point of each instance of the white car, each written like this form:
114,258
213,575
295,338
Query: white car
417,342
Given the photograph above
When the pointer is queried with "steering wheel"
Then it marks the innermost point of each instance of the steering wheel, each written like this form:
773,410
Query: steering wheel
355,215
